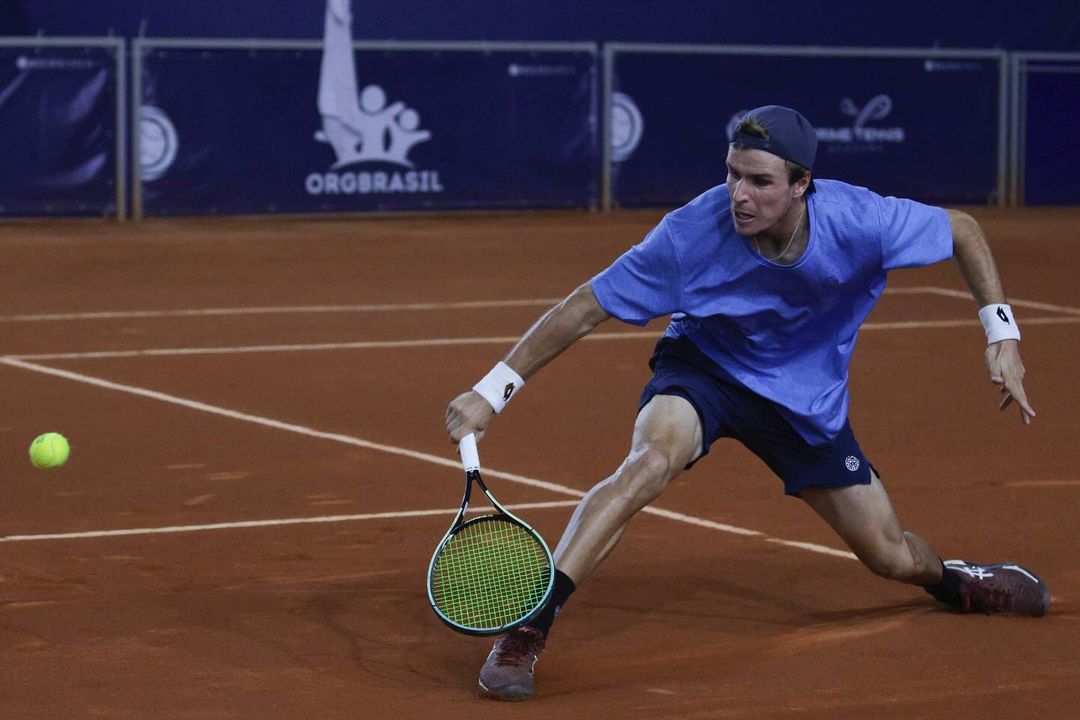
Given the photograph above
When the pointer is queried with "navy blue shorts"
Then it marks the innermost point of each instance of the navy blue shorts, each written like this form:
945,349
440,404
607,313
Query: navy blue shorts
727,409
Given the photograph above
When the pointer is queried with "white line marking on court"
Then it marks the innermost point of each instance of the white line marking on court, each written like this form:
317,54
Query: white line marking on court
1042,483
279,310
275,424
947,292
272,523
379,447
310,347
404,307
452,342
813,547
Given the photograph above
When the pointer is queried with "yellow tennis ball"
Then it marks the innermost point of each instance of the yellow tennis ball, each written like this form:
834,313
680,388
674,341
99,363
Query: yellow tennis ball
49,450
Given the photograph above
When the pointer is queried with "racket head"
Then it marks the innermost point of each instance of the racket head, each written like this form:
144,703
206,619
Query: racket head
489,575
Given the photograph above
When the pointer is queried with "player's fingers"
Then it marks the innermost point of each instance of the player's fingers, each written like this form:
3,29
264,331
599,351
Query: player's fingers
1025,407
1017,394
1005,401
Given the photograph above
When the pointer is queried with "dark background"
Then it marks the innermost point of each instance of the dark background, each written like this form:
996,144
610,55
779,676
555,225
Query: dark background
913,23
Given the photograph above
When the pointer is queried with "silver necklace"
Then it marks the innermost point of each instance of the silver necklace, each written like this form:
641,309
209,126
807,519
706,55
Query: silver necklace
786,247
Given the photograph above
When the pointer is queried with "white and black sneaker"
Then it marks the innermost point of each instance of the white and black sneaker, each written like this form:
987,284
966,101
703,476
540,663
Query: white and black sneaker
1004,588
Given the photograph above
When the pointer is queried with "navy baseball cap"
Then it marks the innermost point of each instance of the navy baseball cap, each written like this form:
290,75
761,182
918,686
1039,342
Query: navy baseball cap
790,135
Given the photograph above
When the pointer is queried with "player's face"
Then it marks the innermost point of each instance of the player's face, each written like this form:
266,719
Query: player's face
760,193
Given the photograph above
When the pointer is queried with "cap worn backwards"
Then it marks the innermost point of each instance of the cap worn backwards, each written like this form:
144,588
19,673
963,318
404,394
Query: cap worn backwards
791,136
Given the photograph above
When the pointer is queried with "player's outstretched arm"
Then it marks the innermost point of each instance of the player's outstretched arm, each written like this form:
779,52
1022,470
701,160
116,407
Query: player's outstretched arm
972,254
556,330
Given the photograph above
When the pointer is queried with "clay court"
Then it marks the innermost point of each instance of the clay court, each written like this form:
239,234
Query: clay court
260,473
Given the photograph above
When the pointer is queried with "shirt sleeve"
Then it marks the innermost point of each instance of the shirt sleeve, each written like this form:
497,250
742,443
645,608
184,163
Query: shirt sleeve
645,282
913,234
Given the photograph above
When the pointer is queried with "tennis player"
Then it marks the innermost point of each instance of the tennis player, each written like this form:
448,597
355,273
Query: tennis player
767,279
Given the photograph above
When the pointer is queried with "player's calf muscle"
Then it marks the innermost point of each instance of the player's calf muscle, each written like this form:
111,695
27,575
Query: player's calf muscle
908,560
893,562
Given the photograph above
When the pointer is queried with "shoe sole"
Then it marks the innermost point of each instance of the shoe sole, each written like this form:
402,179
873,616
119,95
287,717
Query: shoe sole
512,693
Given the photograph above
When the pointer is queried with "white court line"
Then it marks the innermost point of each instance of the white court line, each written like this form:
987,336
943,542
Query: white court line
931,290
450,342
279,310
392,450
274,523
312,347
401,307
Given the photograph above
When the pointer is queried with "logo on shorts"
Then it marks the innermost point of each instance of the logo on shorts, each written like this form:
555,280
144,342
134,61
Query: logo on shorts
851,463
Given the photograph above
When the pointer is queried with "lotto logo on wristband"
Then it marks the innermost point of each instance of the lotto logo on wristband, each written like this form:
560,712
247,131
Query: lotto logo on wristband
499,385
999,324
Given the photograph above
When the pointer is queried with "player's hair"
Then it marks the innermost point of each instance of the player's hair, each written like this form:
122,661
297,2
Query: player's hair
750,126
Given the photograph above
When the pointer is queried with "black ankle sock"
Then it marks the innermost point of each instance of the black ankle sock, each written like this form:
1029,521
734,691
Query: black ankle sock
564,586
947,589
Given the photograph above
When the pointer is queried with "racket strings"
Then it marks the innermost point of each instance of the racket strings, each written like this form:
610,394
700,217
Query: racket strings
490,574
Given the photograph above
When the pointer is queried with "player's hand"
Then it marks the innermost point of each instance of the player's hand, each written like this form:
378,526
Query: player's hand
468,413
1007,371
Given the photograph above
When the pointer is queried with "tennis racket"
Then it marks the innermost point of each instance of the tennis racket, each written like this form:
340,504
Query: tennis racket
490,573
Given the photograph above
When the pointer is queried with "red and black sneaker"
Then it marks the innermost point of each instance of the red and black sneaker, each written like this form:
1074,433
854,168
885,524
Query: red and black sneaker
507,673
1002,588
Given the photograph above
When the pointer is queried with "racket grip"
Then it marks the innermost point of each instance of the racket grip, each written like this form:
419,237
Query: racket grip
470,459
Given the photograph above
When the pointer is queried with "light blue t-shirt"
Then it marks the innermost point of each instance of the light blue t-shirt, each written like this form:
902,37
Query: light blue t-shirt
786,332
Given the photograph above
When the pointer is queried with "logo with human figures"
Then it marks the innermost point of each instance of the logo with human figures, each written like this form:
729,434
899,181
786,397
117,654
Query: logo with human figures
378,133
363,126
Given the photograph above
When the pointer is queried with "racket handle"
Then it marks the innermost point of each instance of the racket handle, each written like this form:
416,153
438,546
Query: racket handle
470,459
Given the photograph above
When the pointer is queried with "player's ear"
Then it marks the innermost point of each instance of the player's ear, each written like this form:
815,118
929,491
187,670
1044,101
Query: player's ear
798,188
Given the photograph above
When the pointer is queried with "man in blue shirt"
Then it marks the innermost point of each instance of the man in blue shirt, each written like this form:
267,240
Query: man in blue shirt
767,280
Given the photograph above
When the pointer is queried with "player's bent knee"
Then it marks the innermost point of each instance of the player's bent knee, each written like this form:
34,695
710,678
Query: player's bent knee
644,476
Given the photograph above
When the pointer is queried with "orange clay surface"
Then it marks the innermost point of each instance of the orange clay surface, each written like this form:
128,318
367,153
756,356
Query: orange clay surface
210,373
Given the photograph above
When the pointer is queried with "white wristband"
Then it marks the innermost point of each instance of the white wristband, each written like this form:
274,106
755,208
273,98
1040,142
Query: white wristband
499,385
999,323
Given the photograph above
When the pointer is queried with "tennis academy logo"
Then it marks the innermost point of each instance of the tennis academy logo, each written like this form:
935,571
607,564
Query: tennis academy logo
363,128
864,134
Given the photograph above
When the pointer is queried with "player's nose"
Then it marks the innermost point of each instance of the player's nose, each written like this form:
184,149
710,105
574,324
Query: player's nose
738,195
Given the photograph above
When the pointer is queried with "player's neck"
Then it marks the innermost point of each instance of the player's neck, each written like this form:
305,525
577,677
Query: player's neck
785,241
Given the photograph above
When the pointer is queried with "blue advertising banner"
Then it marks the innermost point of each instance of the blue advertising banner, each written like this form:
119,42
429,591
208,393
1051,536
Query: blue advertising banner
916,127
328,128
1052,134
59,117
